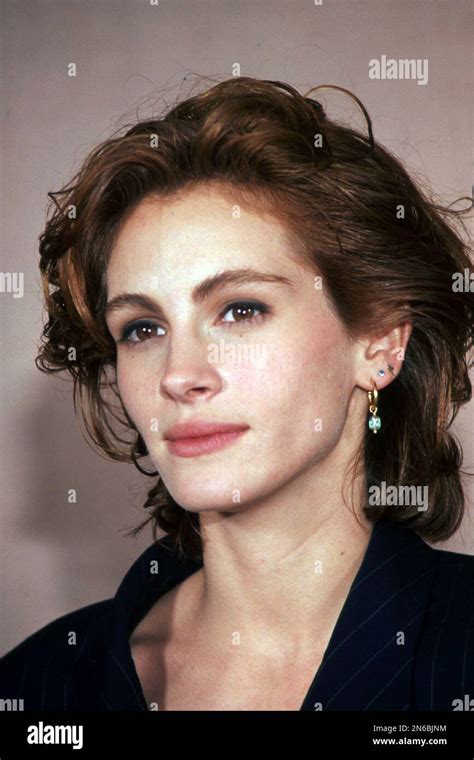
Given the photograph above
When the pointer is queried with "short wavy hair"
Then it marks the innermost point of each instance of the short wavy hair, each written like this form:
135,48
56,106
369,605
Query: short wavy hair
387,253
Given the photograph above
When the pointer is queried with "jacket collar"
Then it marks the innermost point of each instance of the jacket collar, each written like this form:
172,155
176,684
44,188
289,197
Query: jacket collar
155,572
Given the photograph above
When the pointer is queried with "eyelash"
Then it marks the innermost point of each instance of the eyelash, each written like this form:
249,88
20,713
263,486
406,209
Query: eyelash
125,336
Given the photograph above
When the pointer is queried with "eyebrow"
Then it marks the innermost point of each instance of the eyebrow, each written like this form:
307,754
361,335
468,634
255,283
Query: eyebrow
203,290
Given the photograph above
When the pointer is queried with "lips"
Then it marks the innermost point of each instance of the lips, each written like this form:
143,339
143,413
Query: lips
200,429
193,439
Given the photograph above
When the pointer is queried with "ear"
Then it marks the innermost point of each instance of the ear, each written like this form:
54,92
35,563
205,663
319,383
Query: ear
380,358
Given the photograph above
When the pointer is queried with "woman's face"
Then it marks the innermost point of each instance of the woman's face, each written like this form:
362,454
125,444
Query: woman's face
280,362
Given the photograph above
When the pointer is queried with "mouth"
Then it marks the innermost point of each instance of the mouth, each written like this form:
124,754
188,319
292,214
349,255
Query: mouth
204,444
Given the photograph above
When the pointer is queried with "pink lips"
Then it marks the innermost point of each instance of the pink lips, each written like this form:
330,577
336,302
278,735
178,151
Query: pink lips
189,439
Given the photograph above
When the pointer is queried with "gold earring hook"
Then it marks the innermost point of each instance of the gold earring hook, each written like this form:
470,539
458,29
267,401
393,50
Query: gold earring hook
373,398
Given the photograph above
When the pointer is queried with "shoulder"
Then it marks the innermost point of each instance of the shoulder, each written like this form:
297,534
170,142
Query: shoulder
53,632
444,672
50,653
454,578
452,590
82,659
439,578
69,633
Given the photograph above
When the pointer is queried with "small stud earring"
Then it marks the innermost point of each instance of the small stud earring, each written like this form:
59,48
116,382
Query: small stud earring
381,372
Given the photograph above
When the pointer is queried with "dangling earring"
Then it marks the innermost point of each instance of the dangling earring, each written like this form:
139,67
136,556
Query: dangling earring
375,422
139,446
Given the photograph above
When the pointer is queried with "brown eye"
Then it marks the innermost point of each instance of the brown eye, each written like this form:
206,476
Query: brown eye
144,331
243,311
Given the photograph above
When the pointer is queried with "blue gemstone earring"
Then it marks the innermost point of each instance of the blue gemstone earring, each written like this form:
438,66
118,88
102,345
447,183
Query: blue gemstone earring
375,422
381,372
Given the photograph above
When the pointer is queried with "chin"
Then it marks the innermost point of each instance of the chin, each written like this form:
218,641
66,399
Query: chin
198,495
201,509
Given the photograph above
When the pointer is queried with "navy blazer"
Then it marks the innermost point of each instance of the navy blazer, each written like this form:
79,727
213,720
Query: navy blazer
404,638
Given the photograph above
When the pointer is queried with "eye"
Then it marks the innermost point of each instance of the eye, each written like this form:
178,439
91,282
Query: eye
145,329
242,309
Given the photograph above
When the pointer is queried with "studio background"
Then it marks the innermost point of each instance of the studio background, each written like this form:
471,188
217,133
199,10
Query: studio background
57,556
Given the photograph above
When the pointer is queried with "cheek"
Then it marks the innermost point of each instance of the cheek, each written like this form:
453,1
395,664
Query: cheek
301,391
131,385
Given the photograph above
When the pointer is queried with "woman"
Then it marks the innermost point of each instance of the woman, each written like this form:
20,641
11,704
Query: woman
264,300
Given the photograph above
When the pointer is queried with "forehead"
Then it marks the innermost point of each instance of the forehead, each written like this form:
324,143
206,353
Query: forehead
196,233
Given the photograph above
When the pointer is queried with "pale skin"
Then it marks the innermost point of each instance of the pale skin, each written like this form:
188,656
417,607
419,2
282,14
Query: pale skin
281,548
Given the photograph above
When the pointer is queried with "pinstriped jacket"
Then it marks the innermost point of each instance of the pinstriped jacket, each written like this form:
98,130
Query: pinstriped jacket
404,639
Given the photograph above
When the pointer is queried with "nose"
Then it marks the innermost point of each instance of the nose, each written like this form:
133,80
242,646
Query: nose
188,374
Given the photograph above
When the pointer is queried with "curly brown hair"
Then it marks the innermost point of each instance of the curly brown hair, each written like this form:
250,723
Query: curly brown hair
386,252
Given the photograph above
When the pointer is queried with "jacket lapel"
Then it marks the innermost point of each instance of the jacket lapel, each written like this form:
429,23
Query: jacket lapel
369,661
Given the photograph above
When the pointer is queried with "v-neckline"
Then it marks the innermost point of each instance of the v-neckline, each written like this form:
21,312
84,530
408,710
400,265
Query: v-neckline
168,585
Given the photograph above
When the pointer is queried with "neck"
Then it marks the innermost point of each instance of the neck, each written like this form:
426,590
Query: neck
276,574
